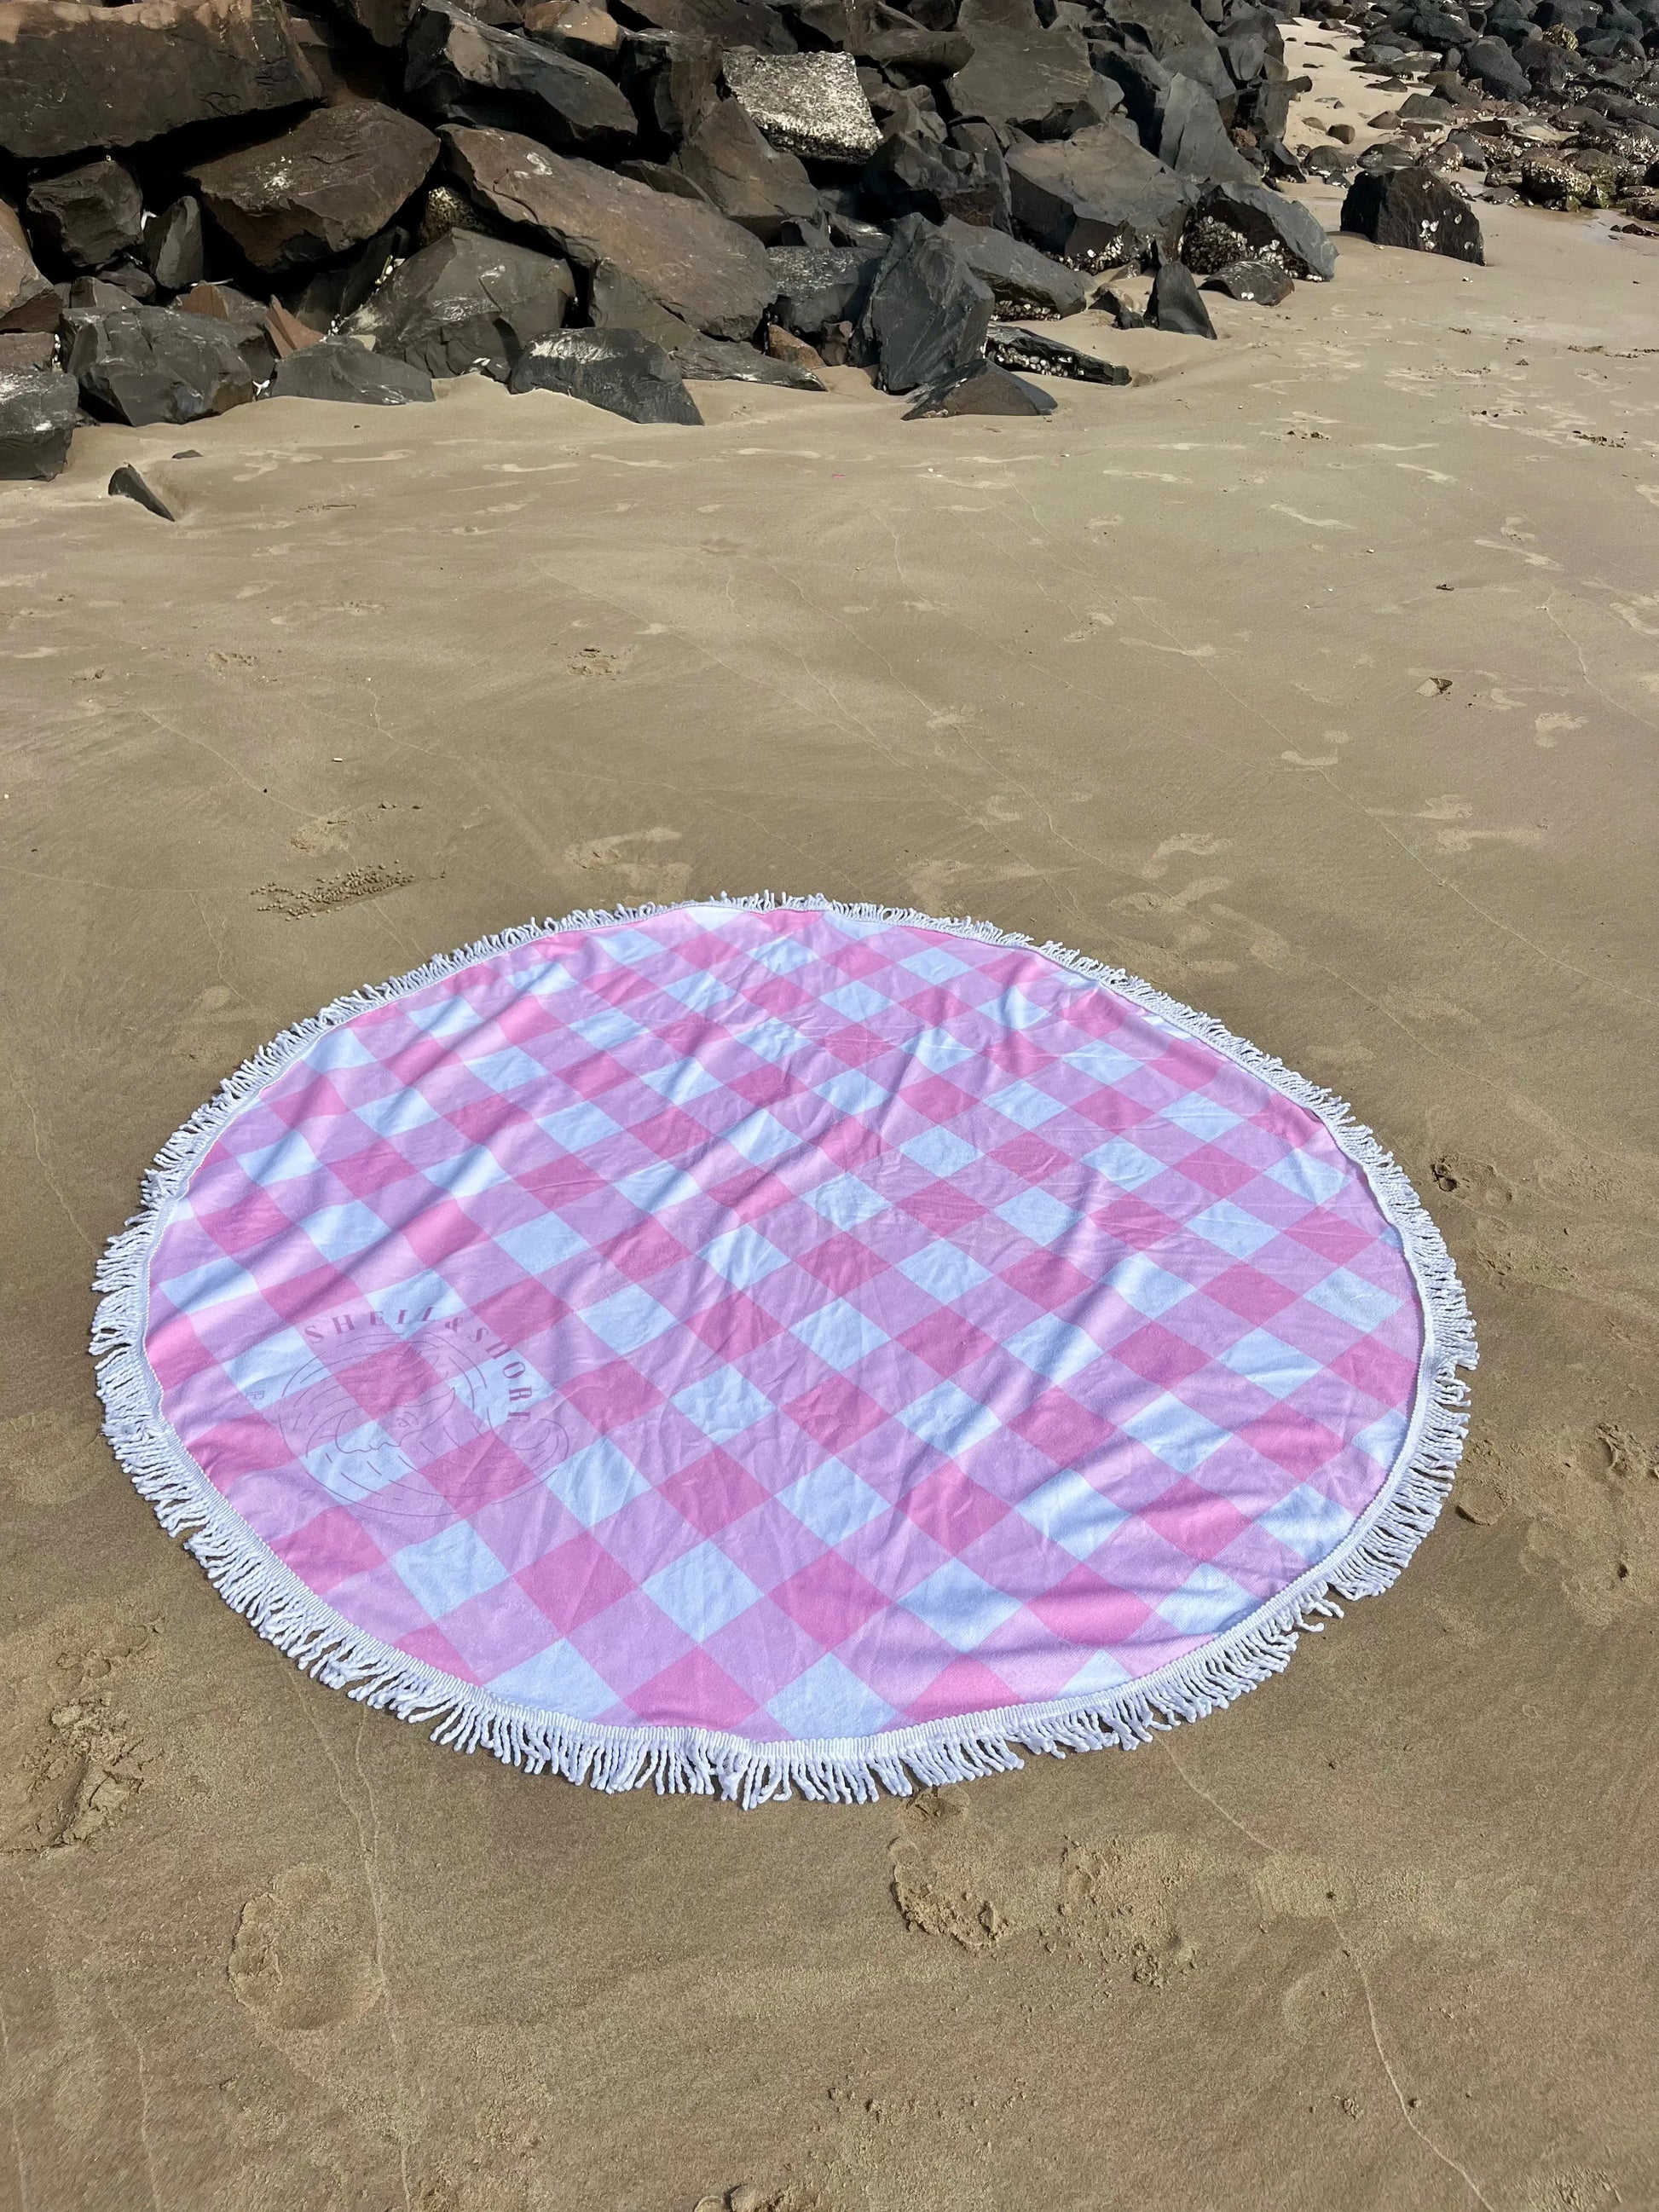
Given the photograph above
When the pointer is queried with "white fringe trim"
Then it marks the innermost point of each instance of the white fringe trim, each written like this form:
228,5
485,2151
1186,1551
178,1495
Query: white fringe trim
848,1770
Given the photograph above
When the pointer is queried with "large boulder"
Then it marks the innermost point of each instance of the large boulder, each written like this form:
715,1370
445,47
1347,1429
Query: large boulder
810,104
1098,198
467,303
927,313
82,218
77,74
28,301
1192,138
1489,62
706,270
153,364
1414,208
620,370
331,181
457,69
1247,223
1020,74
37,417
342,370
745,178
1026,285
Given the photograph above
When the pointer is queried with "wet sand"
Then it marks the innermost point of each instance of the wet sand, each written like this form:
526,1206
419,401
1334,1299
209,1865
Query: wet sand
1315,678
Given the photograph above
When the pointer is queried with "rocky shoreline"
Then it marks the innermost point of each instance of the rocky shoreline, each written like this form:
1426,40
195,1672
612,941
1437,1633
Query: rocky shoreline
205,202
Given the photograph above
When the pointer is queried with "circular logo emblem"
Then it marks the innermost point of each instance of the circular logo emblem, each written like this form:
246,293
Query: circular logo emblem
427,1422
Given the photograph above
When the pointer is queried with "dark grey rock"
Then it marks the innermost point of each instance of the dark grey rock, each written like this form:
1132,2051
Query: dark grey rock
1489,62
36,416
1126,317
127,483
910,175
1025,284
321,297
83,217
457,69
156,365
1040,356
1252,280
927,313
1021,75
92,296
172,246
747,178
1098,198
1177,303
1192,138
981,388
817,286
807,104
341,369
708,271
620,370
726,361
332,181
76,75
467,303
1414,208
1250,223
1176,35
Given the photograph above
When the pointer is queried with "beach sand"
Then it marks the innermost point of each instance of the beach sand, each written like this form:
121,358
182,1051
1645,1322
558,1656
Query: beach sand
1315,677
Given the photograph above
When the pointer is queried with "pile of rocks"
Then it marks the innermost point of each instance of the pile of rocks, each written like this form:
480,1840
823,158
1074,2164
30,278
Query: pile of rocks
1555,101
207,202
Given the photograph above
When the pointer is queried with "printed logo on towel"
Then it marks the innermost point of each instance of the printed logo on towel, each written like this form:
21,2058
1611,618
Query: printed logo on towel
422,1419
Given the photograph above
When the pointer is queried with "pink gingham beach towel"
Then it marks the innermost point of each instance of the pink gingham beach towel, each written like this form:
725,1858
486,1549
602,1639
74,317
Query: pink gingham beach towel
752,1346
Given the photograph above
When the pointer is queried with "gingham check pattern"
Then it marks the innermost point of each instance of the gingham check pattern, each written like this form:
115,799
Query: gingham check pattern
785,1323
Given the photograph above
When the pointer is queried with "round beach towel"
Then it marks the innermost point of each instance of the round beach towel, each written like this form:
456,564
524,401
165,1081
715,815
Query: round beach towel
749,1346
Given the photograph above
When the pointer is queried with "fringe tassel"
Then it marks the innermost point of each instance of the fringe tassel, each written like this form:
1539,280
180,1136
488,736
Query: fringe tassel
704,1762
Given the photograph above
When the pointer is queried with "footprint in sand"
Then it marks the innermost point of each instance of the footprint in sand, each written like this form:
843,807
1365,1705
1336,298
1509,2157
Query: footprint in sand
303,1953
1471,1182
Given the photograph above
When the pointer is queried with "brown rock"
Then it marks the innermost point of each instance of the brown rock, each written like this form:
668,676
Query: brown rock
697,264
728,22
575,27
221,303
28,302
26,349
326,185
286,332
75,74
784,345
